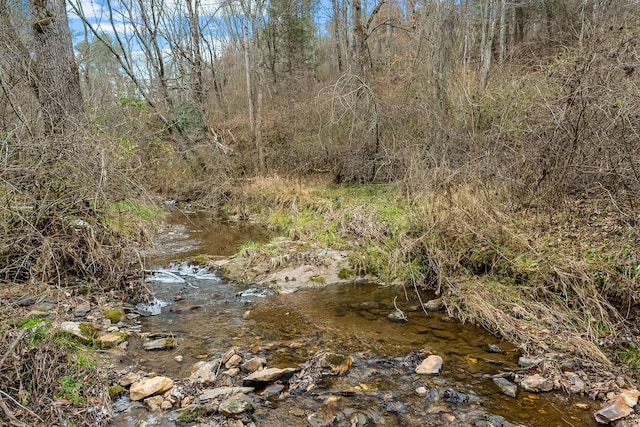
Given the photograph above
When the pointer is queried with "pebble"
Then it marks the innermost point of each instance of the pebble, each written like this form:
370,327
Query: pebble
421,391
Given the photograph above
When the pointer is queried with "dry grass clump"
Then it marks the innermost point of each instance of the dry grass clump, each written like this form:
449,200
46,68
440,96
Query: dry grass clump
534,277
42,384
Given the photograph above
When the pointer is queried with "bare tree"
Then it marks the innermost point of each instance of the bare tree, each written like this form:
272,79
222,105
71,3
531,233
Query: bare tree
58,80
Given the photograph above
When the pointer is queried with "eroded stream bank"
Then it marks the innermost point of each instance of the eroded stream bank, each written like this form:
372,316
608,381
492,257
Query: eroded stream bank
208,315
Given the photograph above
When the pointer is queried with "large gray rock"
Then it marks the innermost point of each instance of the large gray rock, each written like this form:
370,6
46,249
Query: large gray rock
536,383
149,386
620,407
236,405
430,366
266,376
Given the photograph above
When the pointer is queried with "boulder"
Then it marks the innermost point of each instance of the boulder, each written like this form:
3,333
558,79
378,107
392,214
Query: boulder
430,366
149,386
266,376
576,384
83,332
110,340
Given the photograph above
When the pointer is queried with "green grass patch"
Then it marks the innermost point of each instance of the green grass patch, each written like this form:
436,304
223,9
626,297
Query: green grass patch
128,217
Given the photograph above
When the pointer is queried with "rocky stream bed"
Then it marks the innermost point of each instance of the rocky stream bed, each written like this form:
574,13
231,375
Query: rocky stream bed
275,346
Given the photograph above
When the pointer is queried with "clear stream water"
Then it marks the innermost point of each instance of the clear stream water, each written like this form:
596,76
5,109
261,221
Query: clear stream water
348,319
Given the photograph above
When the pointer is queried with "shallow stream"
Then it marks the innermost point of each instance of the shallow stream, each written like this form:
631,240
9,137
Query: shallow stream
214,315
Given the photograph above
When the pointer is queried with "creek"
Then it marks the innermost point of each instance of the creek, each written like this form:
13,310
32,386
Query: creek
209,314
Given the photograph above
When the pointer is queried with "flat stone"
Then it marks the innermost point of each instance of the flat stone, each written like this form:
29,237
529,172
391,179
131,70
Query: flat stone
204,372
266,376
253,364
619,407
506,386
214,393
528,362
160,344
236,405
149,386
536,383
421,391
231,372
430,366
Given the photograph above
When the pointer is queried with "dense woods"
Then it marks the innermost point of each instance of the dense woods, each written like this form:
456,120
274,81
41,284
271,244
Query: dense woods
537,98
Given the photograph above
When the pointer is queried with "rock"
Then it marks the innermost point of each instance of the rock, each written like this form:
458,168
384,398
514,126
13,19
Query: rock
268,375
421,391
272,390
204,372
154,402
228,355
397,316
82,309
576,383
434,305
184,307
189,414
253,364
506,386
166,405
454,396
233,361
236,405
115,315
492,348
110,340
536,383
430,366
528,362
128,379
26,301
179,358
214,393
246,315
231,372
621,406
83,332
149,387
160,344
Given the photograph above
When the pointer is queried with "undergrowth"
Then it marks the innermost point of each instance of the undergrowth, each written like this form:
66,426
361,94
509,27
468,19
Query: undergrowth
552,279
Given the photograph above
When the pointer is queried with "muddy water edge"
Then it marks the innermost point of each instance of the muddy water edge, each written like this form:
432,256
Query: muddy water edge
208,315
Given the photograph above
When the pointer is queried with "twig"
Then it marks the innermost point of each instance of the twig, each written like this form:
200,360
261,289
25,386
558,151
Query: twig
403,316
13,346
22,406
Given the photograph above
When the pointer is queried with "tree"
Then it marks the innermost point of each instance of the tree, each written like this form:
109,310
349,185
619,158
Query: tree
58,80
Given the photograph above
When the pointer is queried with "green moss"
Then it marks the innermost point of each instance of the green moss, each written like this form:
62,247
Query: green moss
115,391
345,274
318,279
192,414
116,315
334,359
88,331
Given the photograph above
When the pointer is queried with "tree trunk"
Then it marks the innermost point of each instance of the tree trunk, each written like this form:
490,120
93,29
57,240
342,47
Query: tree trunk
488,16
58,82
196,78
